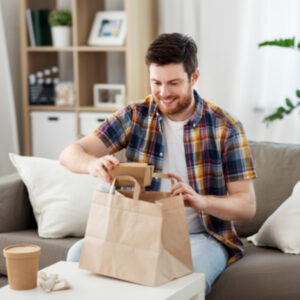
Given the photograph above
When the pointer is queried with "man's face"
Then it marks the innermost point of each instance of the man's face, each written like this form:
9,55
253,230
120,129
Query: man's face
172,89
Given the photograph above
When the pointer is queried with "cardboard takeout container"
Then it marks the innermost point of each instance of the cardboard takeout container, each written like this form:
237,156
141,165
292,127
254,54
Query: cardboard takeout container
142,172
22,261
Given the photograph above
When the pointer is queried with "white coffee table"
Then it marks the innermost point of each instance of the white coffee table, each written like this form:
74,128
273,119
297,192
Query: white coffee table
88,286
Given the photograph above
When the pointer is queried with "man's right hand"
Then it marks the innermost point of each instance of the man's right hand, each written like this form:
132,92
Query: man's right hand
89,155
100,167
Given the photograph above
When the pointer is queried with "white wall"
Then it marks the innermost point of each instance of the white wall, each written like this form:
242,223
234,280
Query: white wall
9,82
10,14
241,77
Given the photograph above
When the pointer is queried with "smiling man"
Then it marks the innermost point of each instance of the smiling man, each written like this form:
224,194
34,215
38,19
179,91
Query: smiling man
189,138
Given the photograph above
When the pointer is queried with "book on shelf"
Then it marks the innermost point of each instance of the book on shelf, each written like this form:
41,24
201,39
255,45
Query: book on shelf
38,27
30,28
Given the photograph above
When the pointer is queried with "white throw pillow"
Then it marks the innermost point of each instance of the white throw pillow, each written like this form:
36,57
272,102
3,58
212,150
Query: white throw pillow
60,199
281,229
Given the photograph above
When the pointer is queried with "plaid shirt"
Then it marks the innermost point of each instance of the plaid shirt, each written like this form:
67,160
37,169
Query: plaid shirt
216,152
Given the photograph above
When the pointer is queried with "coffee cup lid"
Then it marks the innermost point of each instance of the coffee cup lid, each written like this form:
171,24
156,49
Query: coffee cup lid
20,251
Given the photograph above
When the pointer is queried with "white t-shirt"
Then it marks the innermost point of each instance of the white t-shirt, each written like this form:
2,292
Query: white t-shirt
174,162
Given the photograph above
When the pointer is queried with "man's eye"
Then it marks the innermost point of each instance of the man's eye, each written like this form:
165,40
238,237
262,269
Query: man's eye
174,83
156,83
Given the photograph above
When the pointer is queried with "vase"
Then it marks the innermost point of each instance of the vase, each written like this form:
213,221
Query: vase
61,36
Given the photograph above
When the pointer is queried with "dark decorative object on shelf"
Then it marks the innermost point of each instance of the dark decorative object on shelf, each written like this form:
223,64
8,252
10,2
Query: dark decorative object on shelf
41,87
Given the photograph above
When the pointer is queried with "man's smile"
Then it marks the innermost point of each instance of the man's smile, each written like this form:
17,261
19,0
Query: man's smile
168,101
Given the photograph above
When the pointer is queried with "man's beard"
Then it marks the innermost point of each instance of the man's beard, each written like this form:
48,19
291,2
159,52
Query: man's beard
182,103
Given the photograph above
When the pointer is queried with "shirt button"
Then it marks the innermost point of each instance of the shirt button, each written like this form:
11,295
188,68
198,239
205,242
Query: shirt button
194,125
161,154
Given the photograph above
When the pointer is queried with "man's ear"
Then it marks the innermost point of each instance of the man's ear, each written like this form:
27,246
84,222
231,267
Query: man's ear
195,76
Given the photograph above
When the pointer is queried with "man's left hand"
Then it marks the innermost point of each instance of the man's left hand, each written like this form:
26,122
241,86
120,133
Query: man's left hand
190,197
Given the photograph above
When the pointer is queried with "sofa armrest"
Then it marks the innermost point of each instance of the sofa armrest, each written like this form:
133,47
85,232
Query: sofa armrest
15,209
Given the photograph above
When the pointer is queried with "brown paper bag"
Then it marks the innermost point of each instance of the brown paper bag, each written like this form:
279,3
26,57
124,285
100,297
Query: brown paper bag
137,236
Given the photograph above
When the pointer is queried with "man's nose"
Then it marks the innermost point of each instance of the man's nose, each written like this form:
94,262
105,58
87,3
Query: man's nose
164,91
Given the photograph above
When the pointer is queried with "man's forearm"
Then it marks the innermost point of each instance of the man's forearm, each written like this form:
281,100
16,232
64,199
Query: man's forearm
232,207
239,204
76,159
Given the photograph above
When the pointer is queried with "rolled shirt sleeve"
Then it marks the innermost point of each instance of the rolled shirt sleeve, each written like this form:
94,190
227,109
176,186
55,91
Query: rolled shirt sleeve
115,130
237,160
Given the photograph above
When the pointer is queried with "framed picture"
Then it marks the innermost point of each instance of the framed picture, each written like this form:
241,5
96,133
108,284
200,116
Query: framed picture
109,95
109,29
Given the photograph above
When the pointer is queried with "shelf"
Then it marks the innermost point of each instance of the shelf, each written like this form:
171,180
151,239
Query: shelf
87,65
70,108
77,48
100,48
51,108
49,49
93,108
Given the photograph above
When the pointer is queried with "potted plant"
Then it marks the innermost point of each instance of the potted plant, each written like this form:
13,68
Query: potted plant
282,111
61,24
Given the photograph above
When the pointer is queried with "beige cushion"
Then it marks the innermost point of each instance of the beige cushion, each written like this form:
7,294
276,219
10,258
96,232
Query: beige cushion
60,199
281,229
278,170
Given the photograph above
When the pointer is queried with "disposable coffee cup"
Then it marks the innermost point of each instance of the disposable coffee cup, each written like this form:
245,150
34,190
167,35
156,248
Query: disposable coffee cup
22,262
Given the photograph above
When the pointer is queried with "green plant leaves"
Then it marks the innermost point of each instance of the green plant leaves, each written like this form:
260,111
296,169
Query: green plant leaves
282,111
60,18
281,43
289,103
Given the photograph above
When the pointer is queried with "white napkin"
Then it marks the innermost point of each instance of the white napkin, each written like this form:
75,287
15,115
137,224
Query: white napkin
52,282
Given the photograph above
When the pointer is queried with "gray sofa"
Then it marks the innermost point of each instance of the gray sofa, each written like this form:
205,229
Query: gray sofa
17,225
263,273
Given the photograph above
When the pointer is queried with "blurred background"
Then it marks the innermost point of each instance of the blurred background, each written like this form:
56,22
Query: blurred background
248,81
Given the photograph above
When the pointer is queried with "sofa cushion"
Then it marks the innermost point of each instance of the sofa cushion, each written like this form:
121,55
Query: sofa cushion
278,169
52,250
262,274
15,209
281,229
3,281
60,199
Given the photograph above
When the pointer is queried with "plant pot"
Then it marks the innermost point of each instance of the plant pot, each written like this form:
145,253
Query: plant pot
61,36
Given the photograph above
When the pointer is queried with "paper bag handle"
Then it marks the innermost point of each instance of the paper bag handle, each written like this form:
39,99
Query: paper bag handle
162,175
137,187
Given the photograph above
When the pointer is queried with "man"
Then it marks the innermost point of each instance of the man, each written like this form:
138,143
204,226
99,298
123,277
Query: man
192,140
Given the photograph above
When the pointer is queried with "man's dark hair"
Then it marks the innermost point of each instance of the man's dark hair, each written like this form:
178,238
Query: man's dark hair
173,48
